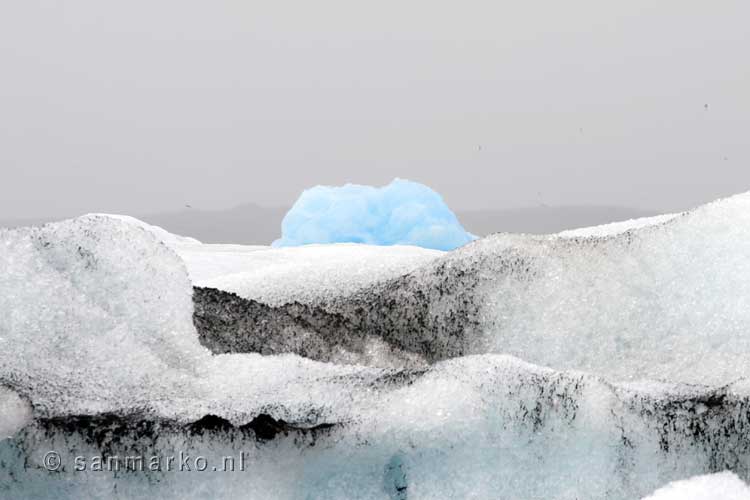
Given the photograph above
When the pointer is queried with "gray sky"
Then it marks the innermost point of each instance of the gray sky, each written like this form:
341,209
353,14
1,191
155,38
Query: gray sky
140,106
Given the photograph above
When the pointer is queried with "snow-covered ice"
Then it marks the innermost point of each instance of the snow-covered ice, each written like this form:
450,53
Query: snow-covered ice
720,486
99,354
617,227
14,413
276,276
174,241
306,274
668,300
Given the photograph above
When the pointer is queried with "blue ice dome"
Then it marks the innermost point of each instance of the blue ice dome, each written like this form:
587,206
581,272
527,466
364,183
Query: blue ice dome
401,213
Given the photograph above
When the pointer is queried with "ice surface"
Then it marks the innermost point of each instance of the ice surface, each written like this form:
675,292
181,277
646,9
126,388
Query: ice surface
96,322
662,302
172,240
211,261
475,427
617,227
307,274
667,301
721,486
92,292
14,413
401,213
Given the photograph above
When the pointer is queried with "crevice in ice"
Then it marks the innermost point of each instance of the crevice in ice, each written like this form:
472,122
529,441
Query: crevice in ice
227,323
107,431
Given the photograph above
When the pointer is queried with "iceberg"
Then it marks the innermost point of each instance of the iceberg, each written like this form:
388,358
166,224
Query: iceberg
401,213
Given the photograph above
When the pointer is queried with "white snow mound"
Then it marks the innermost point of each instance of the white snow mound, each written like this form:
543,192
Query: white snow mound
721,486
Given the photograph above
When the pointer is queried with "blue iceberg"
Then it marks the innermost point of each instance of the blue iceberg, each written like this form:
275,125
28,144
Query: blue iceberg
401,213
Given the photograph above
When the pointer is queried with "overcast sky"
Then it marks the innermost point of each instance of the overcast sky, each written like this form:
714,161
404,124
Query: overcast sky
145,105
